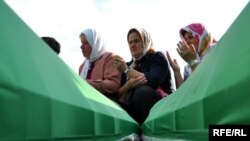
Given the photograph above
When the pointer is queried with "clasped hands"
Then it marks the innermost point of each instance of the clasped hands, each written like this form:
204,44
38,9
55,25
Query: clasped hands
135,78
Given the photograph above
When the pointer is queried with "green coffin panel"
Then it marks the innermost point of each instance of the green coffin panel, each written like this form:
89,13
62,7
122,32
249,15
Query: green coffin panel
218,92
41,98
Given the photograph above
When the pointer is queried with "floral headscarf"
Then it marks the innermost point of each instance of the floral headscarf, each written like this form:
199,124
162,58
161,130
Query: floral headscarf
201,35
98,48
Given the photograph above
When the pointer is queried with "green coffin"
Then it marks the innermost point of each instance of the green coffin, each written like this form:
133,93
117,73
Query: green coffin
41,98
218,92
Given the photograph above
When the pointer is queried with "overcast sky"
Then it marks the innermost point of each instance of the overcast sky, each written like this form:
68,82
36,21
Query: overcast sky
65,19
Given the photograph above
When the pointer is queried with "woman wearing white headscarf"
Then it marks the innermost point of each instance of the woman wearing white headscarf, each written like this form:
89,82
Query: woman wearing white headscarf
145,79
97,69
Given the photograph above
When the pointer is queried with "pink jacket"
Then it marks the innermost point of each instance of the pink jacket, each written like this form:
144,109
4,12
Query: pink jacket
105,77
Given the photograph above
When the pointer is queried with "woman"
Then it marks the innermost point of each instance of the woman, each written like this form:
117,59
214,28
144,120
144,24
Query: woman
145,79
195,43
98,69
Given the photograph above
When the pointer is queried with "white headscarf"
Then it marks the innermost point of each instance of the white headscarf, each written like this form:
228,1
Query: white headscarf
98,45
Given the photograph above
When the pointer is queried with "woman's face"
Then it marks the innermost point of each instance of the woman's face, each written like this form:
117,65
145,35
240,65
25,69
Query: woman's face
86,48
190,40
135,45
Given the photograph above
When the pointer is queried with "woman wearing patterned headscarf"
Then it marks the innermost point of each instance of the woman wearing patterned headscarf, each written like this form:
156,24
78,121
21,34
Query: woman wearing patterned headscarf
97,69
196,43
145,79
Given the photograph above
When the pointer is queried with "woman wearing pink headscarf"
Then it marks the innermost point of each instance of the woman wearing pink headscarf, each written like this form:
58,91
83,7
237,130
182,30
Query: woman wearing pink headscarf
195,43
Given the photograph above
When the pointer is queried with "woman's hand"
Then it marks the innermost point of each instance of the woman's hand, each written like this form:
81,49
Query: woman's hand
119,63
130,84
187,52
136,81
173,63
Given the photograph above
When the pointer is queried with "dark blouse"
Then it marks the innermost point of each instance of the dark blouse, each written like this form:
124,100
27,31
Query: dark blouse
156,69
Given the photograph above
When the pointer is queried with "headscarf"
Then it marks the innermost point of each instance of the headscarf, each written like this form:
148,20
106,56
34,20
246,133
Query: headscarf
201,35
98,49
147,42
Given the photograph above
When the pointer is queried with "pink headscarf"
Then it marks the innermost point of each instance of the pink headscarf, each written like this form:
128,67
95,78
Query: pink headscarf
201,35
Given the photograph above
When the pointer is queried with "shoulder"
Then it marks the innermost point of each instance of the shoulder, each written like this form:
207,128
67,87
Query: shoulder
107,56
159,55
156,57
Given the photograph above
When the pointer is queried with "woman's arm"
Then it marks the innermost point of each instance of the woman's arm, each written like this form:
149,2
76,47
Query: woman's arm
131,84
176,69
105,78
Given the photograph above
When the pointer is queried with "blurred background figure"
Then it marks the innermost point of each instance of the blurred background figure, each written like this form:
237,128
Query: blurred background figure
53,43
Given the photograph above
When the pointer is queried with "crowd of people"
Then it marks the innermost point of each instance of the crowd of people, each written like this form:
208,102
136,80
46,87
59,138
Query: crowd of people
138,84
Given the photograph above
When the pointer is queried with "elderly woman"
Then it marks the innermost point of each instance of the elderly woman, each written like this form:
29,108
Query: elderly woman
195,43
146,78
97,69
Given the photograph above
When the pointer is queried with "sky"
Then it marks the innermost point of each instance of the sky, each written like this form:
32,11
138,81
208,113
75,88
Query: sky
65,19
